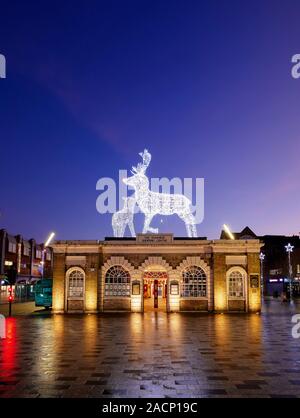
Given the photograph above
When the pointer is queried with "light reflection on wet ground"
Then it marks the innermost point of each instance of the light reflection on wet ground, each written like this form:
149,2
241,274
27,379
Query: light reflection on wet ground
154,354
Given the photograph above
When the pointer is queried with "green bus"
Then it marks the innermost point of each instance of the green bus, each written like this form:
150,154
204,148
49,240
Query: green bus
43,293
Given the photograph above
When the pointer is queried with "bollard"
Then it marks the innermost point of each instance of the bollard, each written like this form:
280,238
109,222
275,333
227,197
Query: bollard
2,326
10,299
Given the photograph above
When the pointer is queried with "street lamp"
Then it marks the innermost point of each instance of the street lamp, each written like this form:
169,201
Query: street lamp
289,249
49,239
47,243
228,232
262,257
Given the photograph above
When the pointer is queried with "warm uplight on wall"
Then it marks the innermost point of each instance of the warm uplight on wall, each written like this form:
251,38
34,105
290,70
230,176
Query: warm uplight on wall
228,232
58,300
91,300
220,299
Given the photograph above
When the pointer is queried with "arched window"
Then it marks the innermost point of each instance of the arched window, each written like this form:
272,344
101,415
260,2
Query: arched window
194,283
117,282
236,285
76,284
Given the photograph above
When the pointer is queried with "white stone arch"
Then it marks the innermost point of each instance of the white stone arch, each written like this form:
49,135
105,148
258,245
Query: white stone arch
117,261
245,276
73,268
193,261
155,261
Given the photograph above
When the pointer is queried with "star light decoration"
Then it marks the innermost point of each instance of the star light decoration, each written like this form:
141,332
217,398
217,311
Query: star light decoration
151,203
262,257
289,248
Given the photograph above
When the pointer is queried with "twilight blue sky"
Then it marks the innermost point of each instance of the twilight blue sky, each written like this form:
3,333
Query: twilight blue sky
206,86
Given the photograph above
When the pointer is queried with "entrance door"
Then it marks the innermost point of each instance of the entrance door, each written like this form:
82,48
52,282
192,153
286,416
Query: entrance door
155,291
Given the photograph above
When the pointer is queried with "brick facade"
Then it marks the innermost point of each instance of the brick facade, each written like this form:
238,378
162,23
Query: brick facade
217,259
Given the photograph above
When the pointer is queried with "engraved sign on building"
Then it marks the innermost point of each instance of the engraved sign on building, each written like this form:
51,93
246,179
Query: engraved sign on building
154,238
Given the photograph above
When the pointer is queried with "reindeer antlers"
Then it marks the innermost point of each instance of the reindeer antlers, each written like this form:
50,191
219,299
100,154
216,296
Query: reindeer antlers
142,167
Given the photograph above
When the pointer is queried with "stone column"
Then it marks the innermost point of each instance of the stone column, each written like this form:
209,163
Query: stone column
254,293
173,299
91,284
220,288
101,289
59,277
137,300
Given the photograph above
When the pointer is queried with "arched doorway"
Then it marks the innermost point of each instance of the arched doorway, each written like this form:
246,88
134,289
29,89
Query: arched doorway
155,288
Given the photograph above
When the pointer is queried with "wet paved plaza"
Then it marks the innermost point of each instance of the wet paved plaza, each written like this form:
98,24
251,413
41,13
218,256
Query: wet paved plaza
152,355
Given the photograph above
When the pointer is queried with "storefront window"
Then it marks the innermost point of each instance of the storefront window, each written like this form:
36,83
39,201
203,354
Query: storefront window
117,282
194,282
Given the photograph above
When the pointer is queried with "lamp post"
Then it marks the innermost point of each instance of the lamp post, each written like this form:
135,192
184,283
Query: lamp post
48,241
289,249
228,232
262,257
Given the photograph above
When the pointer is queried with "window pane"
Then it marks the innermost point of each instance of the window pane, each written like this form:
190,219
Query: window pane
118,279
236,285
194,282
76,284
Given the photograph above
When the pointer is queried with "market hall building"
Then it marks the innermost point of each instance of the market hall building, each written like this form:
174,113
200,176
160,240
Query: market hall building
156,272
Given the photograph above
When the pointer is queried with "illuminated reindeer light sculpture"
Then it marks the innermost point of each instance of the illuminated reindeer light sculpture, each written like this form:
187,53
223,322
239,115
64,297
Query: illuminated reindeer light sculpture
154,203
124,217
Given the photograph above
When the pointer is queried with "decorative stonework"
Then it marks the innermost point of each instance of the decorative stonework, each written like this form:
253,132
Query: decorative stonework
194,261
74,268
117,261
155,261
236,268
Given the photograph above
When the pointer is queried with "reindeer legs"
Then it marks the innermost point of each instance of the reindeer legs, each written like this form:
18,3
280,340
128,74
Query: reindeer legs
131,228
190,224
147,228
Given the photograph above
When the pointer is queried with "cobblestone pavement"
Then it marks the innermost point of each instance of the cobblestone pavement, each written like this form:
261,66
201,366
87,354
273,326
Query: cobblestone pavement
152,355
